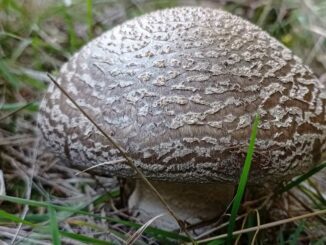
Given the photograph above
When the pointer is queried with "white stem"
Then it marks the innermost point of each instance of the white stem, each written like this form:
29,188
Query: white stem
191,202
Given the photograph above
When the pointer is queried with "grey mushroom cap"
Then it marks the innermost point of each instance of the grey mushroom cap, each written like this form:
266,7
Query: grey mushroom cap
179,89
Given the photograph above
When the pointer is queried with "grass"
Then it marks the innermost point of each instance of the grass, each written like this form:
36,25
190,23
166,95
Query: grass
265,226
295,237
90,18
56,240
66,212
243,181
37,40
302,178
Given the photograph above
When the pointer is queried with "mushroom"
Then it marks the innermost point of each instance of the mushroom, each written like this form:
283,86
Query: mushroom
178,89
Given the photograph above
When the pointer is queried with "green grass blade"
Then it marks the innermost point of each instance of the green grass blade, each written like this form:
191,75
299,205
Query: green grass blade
217,242
321,241
158,233
14,112
37,218
280,238
302,178
251,221
32,82
54,226
90,18
84,239
315,200
58,207
106,197
10,78
64,214
13,218
24,43
243,180
73,39
294,238
32,106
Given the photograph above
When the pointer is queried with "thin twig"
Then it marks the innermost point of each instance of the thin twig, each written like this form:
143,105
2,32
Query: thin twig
130,161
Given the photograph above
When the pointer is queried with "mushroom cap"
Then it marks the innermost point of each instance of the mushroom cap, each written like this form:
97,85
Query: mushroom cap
178,89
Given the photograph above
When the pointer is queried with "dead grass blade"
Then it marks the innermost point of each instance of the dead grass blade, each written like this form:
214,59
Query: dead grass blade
101,164
264,226
2,185
258,225
140,231
242,227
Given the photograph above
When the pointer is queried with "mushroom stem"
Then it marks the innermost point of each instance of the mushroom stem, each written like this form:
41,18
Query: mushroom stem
191,202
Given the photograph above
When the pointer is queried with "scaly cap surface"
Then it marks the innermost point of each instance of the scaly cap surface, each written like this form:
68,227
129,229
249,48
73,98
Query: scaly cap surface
179,89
